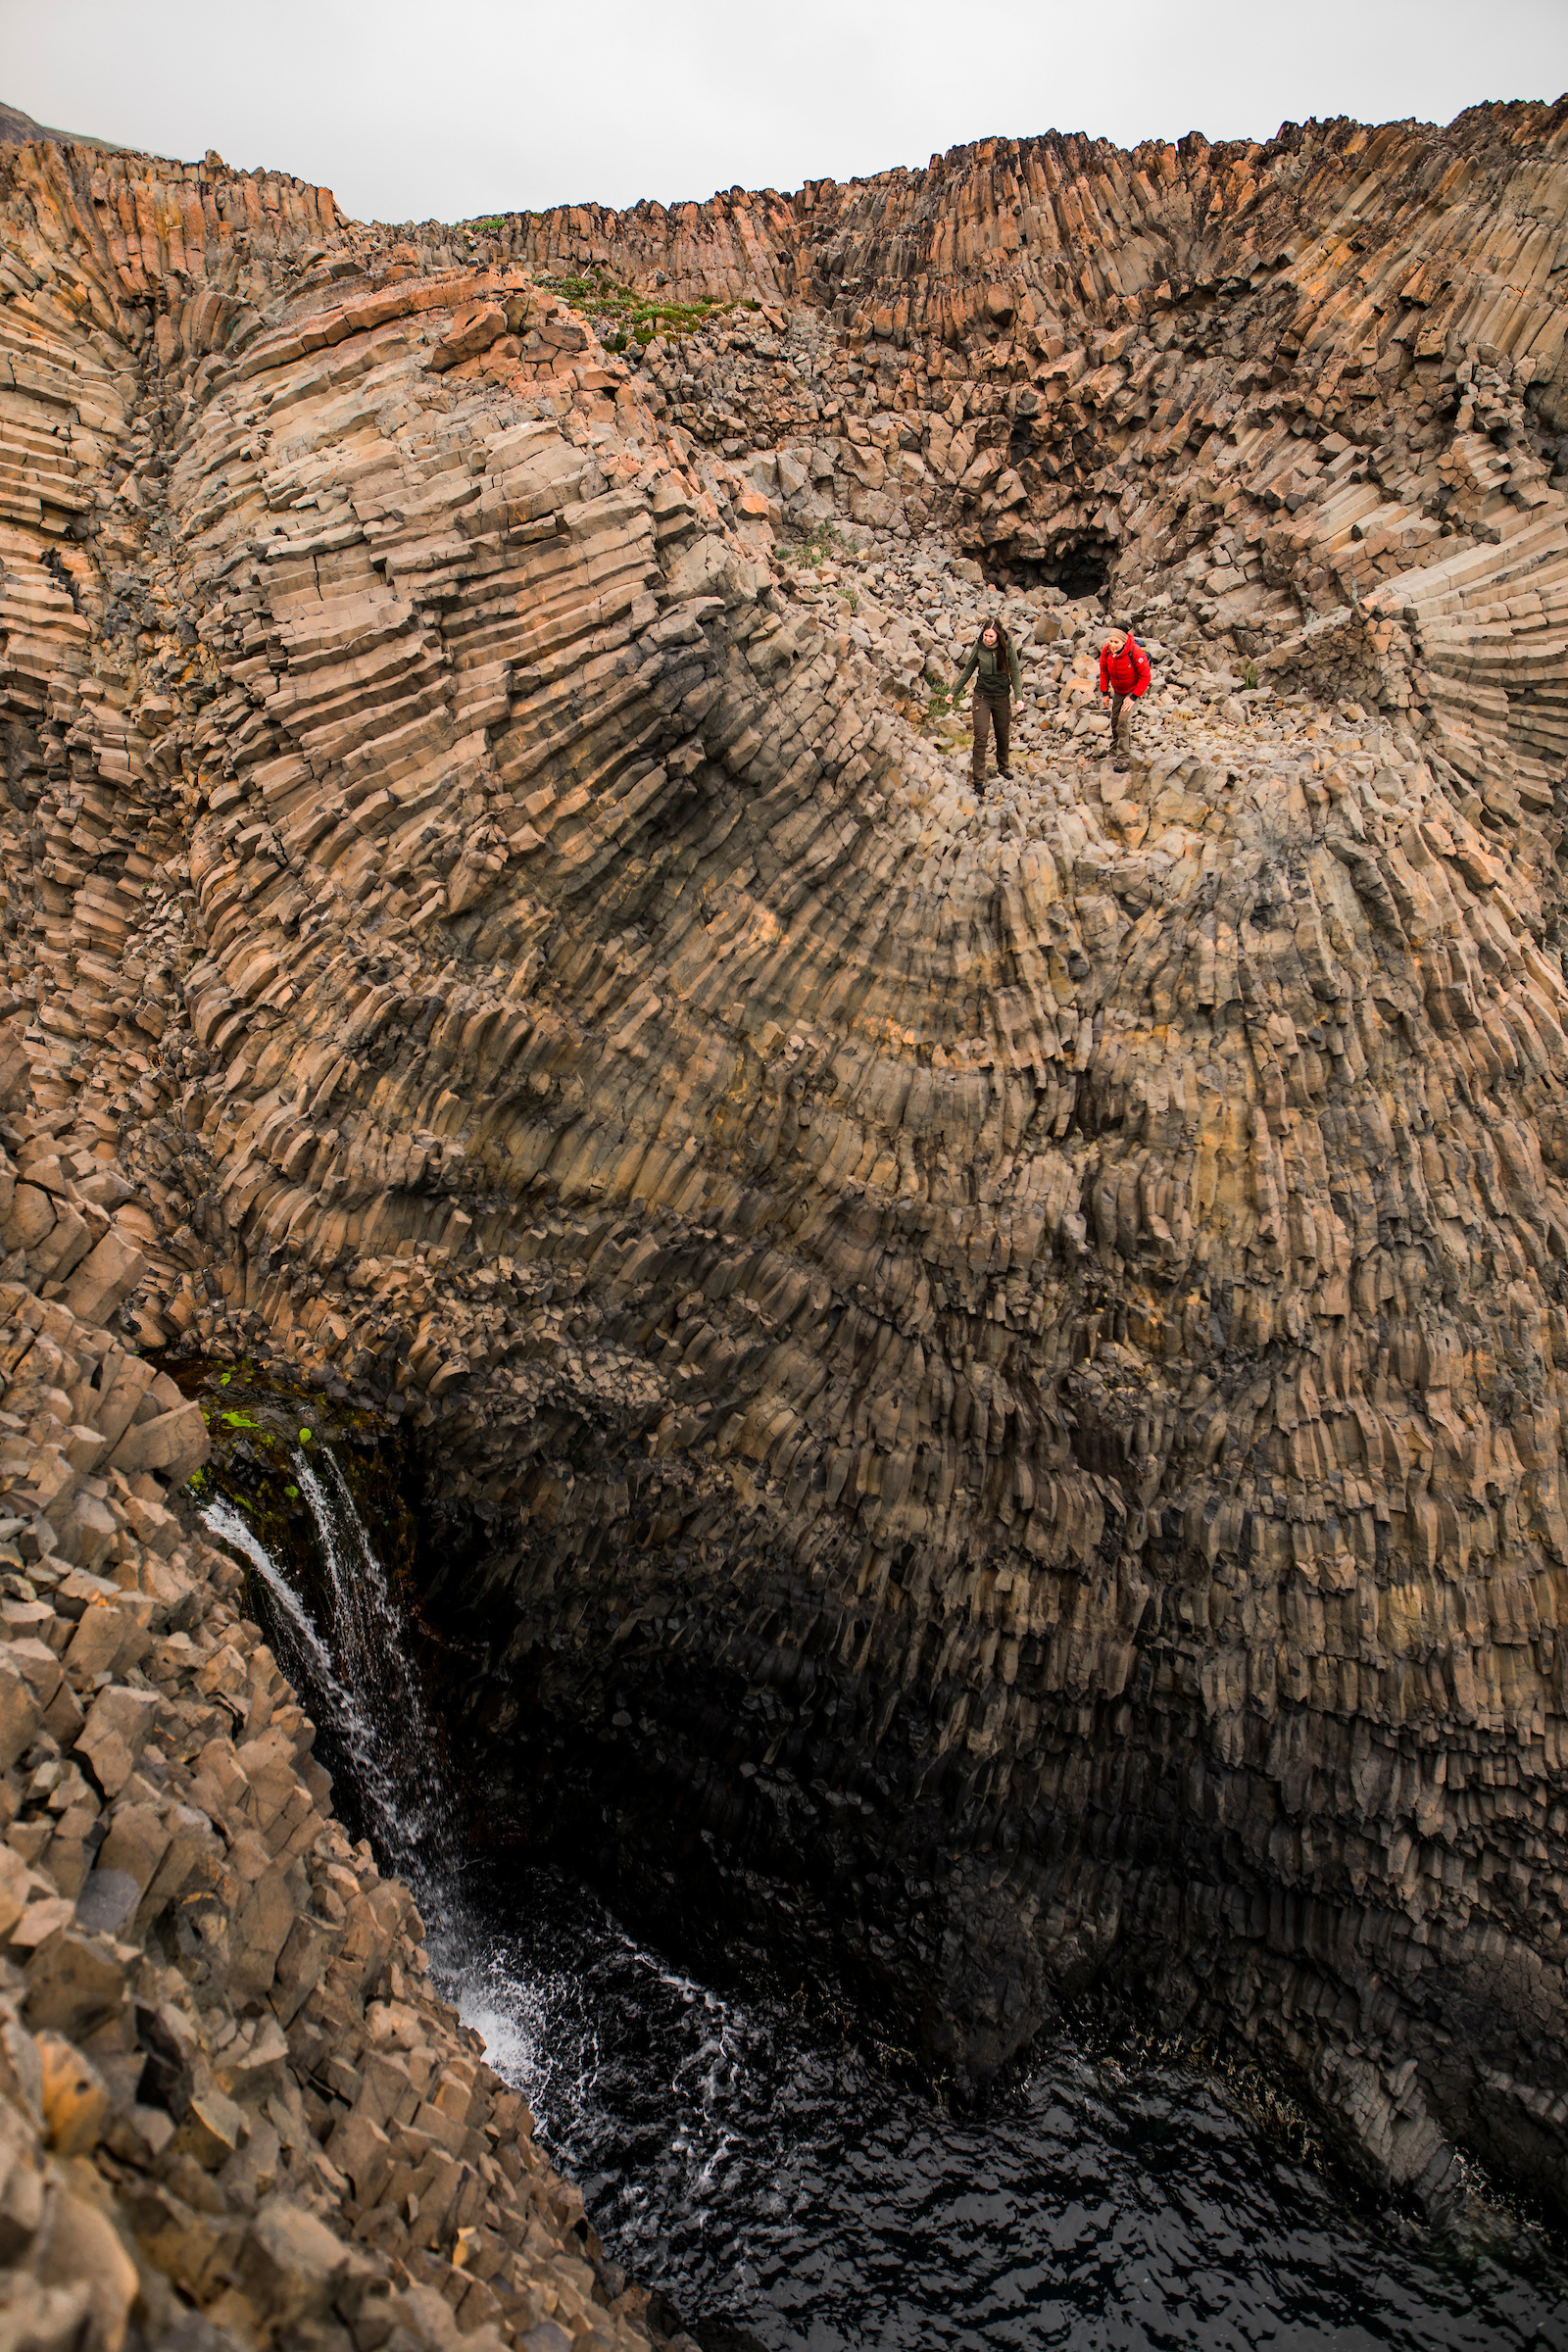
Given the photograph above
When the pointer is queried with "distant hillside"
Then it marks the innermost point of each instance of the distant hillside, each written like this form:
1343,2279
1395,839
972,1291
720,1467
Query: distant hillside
16,128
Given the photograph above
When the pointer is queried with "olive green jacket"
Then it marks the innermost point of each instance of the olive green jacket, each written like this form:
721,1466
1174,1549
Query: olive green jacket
992,679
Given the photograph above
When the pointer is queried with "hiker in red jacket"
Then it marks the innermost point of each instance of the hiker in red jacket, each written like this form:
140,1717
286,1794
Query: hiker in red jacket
1124,674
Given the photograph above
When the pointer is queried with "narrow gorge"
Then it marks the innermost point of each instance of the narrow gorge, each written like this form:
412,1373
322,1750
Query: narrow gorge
984,1372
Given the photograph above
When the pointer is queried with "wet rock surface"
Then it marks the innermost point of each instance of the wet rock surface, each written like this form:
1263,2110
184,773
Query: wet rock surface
226,2087
991,1370
790,2193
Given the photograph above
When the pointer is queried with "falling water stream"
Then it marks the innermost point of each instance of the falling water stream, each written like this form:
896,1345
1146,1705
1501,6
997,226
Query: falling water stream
782,2192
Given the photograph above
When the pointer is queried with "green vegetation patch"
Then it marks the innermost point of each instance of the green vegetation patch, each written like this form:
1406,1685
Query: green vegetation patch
258,1421
823,543
622,316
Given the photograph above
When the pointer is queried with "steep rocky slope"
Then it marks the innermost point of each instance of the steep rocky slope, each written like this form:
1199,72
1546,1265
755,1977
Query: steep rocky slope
226,2084
990,1372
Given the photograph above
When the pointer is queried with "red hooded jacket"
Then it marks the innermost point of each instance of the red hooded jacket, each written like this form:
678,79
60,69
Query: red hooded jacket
1126,672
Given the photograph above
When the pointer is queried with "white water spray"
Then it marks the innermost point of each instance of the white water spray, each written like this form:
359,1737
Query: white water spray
343,1648
227,1524
764,2171
348,1655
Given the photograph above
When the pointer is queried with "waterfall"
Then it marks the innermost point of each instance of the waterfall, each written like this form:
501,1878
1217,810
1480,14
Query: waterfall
758,2167
297,1635
341,1642
347,1659
342,1645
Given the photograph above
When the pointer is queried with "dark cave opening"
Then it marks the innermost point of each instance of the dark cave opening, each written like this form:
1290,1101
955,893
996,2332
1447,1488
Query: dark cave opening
1079,563
761,1813
750,1822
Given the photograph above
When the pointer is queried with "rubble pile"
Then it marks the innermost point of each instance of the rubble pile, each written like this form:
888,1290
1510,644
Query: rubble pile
999,1362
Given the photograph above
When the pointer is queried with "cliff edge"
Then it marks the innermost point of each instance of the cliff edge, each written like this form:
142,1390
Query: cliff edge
991,1369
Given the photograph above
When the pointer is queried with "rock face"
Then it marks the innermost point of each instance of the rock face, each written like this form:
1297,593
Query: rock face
1061,352
992,1370
225,2086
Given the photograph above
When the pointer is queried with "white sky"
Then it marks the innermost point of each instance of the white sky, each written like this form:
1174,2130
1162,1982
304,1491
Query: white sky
416,109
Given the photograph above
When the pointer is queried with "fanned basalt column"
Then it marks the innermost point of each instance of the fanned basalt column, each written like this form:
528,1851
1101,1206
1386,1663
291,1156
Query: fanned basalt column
994,1373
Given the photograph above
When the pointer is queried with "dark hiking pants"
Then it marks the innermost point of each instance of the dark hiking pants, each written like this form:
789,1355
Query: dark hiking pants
987,711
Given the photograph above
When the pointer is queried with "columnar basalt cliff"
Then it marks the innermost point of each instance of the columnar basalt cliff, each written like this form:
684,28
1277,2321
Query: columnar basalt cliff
992,1374
233,2109
1045,336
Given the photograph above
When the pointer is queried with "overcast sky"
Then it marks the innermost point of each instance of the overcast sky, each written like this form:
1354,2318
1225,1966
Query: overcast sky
412,109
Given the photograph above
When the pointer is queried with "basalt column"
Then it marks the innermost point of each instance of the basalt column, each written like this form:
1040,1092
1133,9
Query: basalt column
992,1379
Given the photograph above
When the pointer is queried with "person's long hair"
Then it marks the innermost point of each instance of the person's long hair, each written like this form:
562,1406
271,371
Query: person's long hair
1003,651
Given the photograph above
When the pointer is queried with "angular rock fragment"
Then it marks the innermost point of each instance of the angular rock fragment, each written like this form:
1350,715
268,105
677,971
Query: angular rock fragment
117,1730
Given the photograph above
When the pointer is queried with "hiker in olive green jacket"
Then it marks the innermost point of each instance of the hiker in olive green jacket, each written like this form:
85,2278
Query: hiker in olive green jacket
997,681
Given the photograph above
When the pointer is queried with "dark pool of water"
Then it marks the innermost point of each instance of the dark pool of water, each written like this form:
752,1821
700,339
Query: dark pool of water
755,2165
767,2175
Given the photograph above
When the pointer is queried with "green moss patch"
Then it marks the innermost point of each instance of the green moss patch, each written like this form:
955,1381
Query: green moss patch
257,1422
622,318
